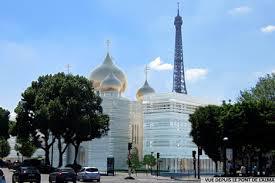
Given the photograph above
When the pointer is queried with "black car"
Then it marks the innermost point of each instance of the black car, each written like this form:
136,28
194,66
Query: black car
26,174
39,164
63,175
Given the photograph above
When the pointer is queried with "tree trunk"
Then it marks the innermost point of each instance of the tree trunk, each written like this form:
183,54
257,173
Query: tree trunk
47,156
47,150
47,147
61,151
76,149
60,163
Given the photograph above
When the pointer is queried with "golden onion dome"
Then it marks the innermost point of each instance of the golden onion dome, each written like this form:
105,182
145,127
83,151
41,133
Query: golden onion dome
144,90
110,83
106,68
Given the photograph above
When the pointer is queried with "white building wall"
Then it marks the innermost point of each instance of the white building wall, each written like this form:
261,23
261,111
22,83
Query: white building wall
167,130
168,133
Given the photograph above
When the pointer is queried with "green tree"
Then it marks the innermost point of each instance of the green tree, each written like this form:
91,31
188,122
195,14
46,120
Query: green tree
247,125
56,105
206,130
4,147
149,160
135,162
25,147
78,109
4,123
258,109
32,117
265,88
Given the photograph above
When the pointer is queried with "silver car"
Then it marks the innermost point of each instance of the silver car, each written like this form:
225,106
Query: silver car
88,174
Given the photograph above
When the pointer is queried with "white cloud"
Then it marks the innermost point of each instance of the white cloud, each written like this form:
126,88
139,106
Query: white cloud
240,10
195,74
157,64
268,29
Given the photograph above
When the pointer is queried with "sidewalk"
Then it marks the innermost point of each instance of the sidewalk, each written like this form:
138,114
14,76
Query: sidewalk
142,177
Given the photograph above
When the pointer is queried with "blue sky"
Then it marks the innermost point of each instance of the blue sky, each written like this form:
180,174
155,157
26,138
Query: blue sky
227,44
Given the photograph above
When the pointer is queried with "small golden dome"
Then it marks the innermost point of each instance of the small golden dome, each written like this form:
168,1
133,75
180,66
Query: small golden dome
106,68
110,83
144,90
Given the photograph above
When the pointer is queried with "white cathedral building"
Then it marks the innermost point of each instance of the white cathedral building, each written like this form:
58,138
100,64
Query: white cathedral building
154,123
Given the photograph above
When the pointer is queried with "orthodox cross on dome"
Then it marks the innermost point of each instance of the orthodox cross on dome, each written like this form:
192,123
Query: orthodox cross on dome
68,66
108,42
146,71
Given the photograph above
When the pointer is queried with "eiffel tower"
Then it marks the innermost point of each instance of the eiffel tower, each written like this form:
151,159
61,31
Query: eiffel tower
178,77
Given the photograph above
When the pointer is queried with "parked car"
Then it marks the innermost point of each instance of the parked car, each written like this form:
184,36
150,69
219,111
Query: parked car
63,175
39,164
88,174
26,174
2,177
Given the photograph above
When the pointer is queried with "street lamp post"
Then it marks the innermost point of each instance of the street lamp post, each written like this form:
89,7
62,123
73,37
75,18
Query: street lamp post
194,162
199,153
225,139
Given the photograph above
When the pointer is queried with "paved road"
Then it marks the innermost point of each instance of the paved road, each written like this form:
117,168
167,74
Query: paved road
118,178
